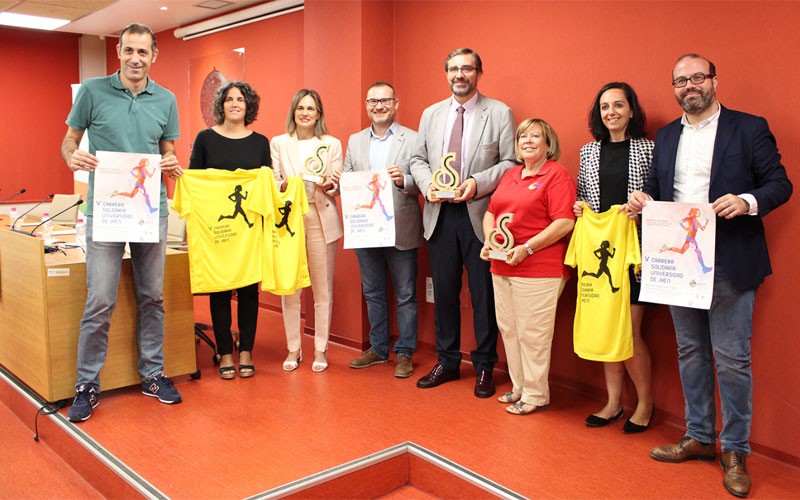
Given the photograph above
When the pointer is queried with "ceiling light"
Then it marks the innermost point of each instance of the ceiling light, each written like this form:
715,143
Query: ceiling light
163,8
35,22
213,4
238,18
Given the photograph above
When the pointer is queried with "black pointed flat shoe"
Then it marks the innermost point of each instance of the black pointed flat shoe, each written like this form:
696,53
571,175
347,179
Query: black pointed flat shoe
595,421
631,428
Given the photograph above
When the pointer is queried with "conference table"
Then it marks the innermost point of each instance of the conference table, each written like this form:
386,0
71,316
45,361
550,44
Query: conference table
42,297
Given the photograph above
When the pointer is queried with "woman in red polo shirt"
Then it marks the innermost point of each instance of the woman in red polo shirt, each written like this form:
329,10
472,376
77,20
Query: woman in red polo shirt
539,194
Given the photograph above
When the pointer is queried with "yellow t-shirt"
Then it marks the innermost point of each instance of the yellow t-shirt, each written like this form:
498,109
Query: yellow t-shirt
603,246
287,237
223,212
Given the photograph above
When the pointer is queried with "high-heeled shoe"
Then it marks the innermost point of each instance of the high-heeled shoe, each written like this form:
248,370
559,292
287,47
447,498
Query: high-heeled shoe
227,371
246,370
291,364
631,428
319,366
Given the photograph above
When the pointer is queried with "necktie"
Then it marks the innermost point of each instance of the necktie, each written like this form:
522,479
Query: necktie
454,146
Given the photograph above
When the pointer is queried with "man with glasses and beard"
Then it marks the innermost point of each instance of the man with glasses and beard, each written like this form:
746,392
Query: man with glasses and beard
480,131
730,159
387,144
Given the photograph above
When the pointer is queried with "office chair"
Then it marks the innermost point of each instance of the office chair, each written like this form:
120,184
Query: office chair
59,203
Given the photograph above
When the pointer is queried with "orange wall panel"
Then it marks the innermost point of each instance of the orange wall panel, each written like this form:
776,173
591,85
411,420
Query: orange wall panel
40,67
332,58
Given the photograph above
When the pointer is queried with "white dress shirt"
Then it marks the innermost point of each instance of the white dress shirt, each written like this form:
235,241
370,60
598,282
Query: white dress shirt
693,164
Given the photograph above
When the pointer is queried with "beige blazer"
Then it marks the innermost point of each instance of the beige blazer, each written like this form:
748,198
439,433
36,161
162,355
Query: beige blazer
492,153
407,213
286,161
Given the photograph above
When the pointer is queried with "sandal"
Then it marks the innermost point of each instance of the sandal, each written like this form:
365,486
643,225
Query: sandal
509,397
247,371
227,372
319,366
292,364
520,408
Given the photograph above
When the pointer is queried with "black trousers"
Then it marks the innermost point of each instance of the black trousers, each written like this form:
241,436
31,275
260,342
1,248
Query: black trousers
452,247
248,316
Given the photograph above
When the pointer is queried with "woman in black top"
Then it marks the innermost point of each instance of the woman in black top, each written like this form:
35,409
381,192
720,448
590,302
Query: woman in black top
230,145
612,167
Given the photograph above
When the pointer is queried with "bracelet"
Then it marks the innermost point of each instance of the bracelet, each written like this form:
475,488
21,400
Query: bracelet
528,248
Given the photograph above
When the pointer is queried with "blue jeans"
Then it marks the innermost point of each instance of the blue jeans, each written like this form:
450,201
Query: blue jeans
103,266
402,265
724,331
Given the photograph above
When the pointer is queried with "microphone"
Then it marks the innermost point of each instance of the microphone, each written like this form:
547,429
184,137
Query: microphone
55,215
22,217
13,195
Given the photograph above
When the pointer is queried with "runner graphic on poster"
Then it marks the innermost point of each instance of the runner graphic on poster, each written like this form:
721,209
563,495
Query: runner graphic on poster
678,244
367,209
127,193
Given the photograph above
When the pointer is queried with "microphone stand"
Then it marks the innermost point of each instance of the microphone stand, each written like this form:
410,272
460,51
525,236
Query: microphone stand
21,217
13,195
48,248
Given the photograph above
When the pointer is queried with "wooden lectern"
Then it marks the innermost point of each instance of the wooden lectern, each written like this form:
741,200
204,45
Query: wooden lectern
41,303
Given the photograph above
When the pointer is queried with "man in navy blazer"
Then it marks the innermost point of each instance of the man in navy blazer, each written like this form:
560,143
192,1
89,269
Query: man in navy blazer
713,154
387,144
454,229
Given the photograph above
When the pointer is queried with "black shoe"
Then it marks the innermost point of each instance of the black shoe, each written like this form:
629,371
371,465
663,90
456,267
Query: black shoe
438,376
595,421
484,384
85,401
631,428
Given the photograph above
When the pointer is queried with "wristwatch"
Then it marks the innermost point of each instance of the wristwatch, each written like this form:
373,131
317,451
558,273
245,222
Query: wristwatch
528,248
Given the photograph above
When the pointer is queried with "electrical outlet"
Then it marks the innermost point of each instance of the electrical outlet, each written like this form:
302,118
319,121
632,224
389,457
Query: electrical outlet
429,289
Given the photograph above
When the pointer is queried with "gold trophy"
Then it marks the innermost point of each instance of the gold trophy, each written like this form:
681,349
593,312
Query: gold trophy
315,166
499,247
446,179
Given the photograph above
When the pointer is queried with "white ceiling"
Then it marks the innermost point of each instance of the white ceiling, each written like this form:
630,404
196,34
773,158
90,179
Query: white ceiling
108,17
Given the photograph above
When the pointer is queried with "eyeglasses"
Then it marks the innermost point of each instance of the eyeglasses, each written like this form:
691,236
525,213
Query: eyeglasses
696,79
467,70
384,102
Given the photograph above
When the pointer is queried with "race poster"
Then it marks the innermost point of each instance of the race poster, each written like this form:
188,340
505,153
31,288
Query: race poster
127,193
367,209
678,244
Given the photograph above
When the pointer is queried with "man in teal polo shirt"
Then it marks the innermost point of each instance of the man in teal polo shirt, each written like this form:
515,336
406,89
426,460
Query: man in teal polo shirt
124,112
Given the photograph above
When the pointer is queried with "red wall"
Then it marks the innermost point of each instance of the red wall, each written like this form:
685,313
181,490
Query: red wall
544,59
548,59
39,69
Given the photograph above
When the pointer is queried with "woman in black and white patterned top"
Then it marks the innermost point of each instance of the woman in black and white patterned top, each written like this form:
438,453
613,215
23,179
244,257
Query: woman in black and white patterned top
612,167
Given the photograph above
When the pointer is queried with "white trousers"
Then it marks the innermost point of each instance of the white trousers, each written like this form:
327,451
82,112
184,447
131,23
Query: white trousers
321,263
526,314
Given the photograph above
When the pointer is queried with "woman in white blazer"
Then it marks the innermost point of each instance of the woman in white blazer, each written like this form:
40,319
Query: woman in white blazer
611,168
306,141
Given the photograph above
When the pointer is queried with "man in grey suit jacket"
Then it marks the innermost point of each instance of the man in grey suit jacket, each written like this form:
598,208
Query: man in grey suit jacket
454,229
387,144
